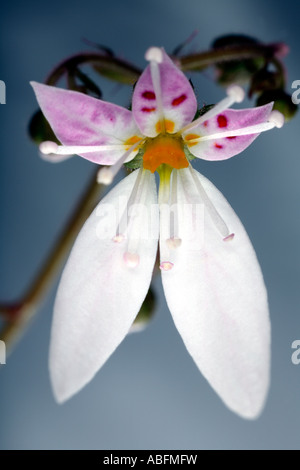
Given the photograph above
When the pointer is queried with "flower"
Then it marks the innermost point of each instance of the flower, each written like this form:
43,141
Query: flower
211,278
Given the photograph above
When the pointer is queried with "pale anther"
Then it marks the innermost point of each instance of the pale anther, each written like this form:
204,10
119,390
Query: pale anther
105,176
173,242
236,92
277,118
154,54
228,238
166,265
48,147
118,238
131,259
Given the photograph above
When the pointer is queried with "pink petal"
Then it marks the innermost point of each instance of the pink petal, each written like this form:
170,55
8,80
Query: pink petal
231,119
178,99
77,119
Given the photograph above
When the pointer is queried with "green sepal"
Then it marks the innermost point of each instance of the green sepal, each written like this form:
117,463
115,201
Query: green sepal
137,162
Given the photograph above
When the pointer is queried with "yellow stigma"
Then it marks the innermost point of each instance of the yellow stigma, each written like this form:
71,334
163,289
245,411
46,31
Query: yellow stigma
164,172
166,149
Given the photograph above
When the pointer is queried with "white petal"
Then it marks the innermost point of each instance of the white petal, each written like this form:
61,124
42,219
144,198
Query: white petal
218,300
99,295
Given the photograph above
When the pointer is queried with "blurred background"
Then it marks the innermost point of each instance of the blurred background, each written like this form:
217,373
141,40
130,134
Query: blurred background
149,395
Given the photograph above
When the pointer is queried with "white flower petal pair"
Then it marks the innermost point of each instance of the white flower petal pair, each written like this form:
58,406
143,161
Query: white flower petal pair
211,278
216,296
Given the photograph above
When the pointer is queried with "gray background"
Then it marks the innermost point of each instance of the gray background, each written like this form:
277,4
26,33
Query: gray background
149,394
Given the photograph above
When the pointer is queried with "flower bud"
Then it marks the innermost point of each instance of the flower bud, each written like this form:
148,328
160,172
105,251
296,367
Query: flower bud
146,312
282,102
40,130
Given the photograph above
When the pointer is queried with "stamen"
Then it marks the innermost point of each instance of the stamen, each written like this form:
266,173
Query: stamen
235,94
129,223
166,266
118,238
106,175
229,238
49,147
47,153
213,213
134,196
276,119
168,218
134,222
174,241
155,56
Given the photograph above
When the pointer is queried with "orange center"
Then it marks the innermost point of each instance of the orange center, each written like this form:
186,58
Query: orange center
164,149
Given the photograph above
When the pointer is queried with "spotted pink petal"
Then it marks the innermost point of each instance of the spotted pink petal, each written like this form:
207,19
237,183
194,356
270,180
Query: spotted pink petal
78,119
231,119
178,99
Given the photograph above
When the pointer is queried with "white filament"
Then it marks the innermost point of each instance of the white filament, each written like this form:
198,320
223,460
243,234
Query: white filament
134,222
168,204
212,211
106,175
174,241
255,129
276,119
130,223
155,56
49,147
235,94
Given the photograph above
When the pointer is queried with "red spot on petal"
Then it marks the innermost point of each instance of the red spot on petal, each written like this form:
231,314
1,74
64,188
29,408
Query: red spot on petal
205,124
231,137
179,100
149,95
218,146
148,110
222,120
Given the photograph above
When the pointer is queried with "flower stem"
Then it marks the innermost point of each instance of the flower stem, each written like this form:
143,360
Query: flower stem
202,60
17,315
111,67
121,71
